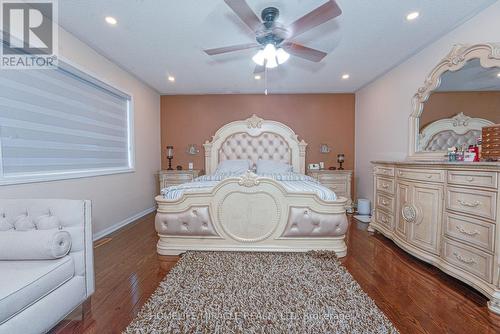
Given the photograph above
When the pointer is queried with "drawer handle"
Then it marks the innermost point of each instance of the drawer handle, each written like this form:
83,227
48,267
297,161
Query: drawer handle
470,178
464,259
401,173
464,231
384,202
429,176
469,204
385,185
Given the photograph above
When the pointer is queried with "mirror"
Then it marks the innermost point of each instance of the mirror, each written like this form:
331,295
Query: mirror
464,102
460,96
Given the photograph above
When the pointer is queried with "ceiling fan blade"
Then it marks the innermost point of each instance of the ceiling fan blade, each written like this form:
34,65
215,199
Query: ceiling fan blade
245,13
320,15
302,51
259,69
231,48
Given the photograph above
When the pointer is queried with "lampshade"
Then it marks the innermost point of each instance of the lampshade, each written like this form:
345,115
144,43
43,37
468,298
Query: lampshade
269,51
271,62
259,58
282,56
170,151
270,56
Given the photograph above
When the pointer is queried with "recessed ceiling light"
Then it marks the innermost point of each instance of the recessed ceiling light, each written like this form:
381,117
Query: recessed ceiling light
412,16
346,76
171,78
111,20
257,77
498,75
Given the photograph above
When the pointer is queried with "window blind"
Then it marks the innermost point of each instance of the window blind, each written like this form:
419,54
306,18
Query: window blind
61,122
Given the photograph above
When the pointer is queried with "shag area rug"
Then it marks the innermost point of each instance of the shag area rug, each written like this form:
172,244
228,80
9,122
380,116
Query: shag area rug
233,292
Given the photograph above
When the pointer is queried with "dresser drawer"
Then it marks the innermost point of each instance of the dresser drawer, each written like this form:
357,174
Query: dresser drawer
178,176
478,179
491,141
382,170
385,202
472,231
173,183
336,187
385,185
326,178
490,152
491,149
384,219
491,132
428,175
469,259
476,202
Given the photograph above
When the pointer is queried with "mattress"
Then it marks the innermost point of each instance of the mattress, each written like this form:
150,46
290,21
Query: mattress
292,182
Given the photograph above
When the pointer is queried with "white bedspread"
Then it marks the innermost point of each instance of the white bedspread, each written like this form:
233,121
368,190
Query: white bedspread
293,182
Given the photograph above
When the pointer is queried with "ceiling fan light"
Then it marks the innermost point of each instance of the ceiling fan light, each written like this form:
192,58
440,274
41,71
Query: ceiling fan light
271,62
282,56
269,51
259,58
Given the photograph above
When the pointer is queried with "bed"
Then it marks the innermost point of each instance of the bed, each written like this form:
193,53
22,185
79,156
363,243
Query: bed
451,132
252,212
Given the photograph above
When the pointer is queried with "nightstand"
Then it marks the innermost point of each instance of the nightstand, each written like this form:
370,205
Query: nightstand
169,178
337,180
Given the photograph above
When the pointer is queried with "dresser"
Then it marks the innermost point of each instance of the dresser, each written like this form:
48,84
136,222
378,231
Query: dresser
447,214
337,180
169,178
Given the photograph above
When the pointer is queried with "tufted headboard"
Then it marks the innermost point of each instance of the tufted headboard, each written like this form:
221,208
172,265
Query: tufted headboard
253,139
448,132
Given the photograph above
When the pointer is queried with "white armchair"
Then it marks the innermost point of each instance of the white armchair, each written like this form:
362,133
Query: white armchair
46,262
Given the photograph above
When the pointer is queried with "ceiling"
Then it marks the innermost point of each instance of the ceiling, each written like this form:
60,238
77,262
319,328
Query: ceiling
156,38
471,77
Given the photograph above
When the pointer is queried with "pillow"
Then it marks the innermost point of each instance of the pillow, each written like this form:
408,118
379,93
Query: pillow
24,223
233,167
271,166
34,244
47,222
5,224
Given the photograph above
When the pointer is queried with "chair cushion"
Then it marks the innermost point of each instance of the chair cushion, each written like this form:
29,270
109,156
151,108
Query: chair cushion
24,282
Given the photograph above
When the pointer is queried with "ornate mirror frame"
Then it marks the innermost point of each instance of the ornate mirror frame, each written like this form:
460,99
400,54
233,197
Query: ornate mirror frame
488,55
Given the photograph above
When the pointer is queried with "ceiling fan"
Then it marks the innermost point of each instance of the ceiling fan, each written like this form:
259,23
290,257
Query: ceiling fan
274,40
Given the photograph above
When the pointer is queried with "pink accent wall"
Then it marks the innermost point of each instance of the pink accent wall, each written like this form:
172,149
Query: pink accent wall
474,104
316,118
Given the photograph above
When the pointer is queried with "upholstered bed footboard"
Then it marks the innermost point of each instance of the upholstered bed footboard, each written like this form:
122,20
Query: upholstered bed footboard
250,213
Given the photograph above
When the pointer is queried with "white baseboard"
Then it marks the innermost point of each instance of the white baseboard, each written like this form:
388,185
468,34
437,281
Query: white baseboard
122,223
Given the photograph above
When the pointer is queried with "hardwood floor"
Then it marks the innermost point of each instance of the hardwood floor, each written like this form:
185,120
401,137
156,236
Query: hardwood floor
416,297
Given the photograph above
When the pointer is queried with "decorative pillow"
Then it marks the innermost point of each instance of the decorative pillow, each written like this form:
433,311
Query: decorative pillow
233,167
24,223
34,244
271,166
5,224
46,222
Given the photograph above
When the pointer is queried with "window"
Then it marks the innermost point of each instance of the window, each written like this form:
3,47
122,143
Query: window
62,123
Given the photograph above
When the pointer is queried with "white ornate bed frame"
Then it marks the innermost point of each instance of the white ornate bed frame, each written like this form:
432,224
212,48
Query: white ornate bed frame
457,126
251,213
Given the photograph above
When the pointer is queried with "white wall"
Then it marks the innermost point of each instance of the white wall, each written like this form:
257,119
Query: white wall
383,107
120,197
